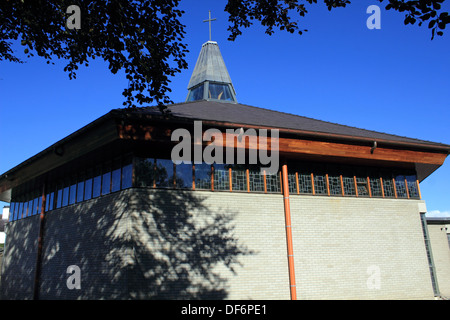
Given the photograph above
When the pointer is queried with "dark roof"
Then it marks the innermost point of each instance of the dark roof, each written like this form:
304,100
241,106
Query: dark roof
438,220
237,113
227,115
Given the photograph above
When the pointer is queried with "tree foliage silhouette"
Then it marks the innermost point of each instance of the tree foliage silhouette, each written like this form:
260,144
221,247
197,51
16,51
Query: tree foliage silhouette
145,38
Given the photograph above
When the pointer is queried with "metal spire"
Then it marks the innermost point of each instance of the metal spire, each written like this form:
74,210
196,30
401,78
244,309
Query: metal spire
210,79
209,20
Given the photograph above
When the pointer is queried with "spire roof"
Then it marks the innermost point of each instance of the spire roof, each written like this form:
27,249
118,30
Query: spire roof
210,79
210,66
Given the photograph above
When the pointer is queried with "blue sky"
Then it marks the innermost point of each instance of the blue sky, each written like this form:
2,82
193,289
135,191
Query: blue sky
392,80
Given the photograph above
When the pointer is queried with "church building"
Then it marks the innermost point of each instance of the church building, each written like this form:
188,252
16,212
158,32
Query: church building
316,210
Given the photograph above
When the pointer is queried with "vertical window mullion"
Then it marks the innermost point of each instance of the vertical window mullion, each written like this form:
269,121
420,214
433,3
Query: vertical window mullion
407,188
193,176
265,181
418,189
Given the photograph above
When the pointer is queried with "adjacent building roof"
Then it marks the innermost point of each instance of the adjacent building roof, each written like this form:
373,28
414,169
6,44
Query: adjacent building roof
438,220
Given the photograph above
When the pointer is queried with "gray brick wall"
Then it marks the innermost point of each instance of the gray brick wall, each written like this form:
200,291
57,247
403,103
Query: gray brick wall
172,244
359,248
19,260
197,245
93,236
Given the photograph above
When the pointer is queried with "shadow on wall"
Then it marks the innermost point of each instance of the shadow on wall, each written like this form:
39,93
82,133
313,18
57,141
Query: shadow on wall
139,244
19,259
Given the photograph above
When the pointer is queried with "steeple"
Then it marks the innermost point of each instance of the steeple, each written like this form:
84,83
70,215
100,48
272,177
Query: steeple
210,79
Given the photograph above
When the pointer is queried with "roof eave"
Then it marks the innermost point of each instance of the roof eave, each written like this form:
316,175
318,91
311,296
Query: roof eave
432,146
8,177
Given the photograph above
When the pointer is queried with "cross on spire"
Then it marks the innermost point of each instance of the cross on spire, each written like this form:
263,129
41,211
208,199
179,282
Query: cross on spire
209,20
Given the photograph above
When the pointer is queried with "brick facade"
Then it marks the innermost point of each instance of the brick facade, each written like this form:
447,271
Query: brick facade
19,259
172,244
341,244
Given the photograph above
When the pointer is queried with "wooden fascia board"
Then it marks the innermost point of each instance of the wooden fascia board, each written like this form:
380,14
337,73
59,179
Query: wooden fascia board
302,134
360,152
159,133
306,135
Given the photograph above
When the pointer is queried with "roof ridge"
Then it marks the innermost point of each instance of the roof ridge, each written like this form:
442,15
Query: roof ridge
333,123
337,125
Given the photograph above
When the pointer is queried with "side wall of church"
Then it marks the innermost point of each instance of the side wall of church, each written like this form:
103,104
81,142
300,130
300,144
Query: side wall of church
19,260
173,244
91,239
86,240
344,248
359,248
214,245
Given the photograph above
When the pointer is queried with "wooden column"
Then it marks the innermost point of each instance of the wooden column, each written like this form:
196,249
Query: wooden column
37,272
406,187
356,186
328,184
265,182
212,178
395,188
174,175
230,179
154,173
248,179
418,189
133,172
281,182
193,176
